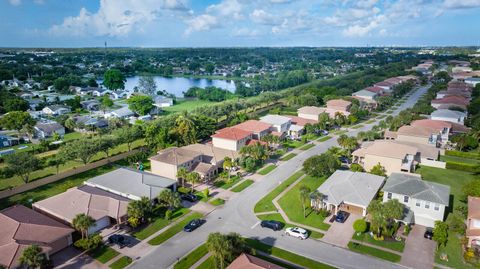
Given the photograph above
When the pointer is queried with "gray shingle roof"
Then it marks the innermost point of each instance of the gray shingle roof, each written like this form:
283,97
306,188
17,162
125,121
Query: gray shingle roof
447,113
275,119
131,182
361,93
413,186
352,187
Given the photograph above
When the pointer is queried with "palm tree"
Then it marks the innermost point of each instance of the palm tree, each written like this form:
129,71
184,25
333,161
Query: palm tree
193,178
317,198
169,199
32,257
140,209
182,174
82,223
227,165
219,249
186,128
304,194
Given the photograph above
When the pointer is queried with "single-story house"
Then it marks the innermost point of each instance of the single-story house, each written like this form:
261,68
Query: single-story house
7,141
121,113
90,105
162,101
424,201
132,184
449,115
104,207
86,123
118,94
473,222
47,129
247,261
55,110
22,227
349,191
100,92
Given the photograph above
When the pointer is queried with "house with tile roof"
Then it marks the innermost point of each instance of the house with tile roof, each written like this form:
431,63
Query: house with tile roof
450,101
368,99
473,222
247,261
349,191
424,201
258,128
231,138
104,207
22,227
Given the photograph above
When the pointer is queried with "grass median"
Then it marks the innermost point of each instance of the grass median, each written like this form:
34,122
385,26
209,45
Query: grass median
240,187
159,223
103,254
267,169
324,138
172,231
307,146
375,252
192,257
265,204
121,263
288,157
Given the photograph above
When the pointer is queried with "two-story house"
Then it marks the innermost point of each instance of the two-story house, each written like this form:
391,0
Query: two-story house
280,124
310,112
449,115
424,201
231,138
473,222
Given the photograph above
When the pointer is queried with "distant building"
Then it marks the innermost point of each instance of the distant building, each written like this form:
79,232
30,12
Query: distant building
121,113
162,101
55,110
48,129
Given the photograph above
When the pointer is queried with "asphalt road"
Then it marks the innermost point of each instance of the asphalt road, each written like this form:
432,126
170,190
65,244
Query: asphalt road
237,216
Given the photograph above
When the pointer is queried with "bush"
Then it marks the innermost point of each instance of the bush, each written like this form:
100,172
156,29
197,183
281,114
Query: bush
355,167
406,230
206,192
461,154
168,214
360,226
473,168
323,212
89,243
184,190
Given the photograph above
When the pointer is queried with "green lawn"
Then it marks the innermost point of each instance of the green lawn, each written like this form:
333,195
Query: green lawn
454,251
267,169
292,205
265,204
340,132
192,257
187,105
159,223
374,252
217,202
307,146
172,231
209,263
225,183
292,144
324,138
393,245
121,263
288,157
370,121
286,255
278,217
357,126
103,253
240,187
447,158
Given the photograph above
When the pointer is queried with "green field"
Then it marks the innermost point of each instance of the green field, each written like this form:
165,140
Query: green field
209,263
187,105
172,231
226,183
265,204
375,252
291,204
456,159
267,169
245,184
217,202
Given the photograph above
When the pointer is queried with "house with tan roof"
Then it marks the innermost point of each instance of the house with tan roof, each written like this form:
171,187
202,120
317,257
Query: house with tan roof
310,112
104,207
473,222
22,227
418,134
333,107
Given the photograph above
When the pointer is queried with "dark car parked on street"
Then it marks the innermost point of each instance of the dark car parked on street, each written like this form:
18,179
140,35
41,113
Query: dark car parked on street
428,233
189,197
118,239
193,224
341,216
272,224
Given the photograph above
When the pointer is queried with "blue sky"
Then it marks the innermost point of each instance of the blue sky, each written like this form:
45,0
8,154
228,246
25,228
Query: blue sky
226,23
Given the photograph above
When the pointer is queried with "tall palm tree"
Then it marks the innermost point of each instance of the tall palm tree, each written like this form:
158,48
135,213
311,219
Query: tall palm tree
82,223
317,198
186,128
219,249
169,199
182,174
227,165
193,177
304,194
32,257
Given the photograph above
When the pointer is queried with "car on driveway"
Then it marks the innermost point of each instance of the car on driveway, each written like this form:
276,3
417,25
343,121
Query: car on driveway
297,232
341,216
189,197
118,239
344,160
428,233
272,224
193,224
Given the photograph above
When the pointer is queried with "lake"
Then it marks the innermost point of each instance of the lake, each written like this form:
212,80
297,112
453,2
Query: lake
178,85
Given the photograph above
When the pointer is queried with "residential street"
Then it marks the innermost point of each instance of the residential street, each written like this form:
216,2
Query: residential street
237,216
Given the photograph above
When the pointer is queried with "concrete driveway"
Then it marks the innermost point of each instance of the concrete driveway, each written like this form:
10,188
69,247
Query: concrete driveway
340,234
72,258
419,252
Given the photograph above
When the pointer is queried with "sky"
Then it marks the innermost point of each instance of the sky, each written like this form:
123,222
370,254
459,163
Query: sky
238,23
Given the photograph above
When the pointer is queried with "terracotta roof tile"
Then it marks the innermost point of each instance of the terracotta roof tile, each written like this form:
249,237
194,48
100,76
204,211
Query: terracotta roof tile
232,133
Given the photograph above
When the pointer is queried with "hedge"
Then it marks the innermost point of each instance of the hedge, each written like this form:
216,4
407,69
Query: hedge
468,155
463,167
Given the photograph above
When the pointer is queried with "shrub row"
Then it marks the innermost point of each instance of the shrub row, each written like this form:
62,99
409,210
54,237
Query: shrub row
468,155
474,168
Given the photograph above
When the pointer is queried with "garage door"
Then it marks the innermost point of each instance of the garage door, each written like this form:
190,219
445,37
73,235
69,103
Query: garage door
100,224
420,220
352,209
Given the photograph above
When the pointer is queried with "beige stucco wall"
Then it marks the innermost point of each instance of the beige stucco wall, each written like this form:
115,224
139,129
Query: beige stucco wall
414,139
390,164
163,169
308,116
229,144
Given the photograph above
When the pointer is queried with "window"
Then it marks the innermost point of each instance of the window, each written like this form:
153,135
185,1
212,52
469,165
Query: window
427,205
417,203
405,199
436,207
389,195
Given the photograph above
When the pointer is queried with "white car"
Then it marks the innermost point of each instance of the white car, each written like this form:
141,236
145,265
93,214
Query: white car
297,232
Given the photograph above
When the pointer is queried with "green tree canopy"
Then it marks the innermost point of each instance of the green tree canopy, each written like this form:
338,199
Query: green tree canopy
114,79
321,165
16,120
140,104
82,223
22,164
33,257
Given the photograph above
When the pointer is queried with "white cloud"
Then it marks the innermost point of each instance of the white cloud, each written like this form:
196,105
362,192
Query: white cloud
116,17
203,22
231,8
246,32
260,16
215,15
359,30
461,3
15,2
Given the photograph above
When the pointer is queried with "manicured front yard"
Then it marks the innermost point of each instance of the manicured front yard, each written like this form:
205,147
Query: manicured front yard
103,253
292,144
454,251
456,159
267,169
291,204
391,244
227,183
159,223
324,138
307,146
217,202
172,231
240,187
209,263
191,258
286,255
288,157
265,204
121,263
374,252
